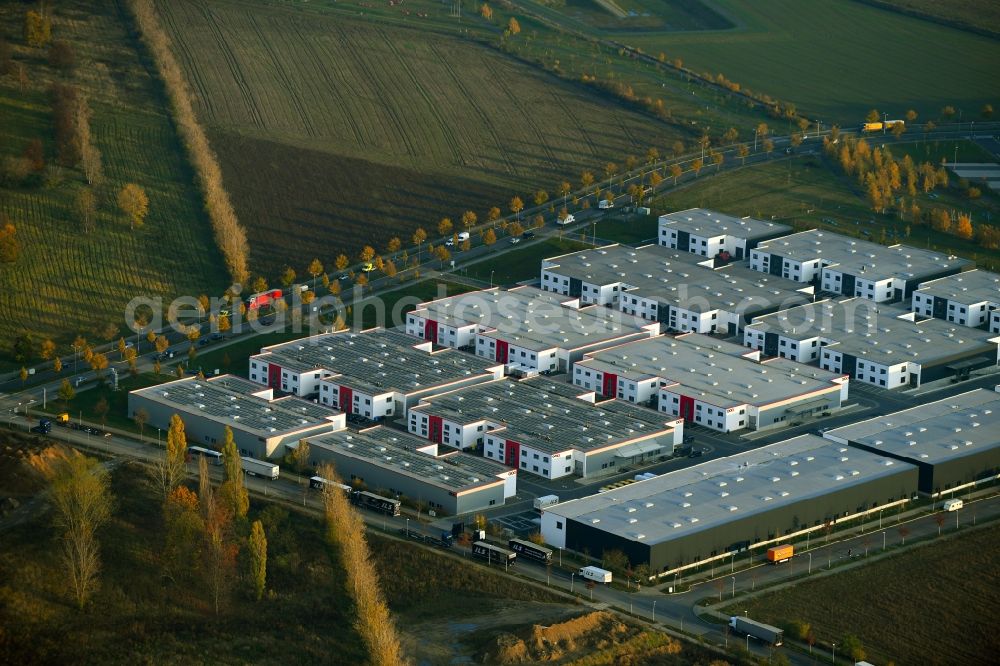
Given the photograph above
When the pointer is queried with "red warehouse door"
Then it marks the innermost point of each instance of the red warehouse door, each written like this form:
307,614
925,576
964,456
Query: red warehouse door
609,388
501,351
346,400
687,408
274,375
512,453
434,429
430,330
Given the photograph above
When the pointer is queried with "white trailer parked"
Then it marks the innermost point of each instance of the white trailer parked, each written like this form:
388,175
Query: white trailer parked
259,468
546,500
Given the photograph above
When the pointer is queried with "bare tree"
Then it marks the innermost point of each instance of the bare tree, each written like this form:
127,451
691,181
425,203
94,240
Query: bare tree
80,491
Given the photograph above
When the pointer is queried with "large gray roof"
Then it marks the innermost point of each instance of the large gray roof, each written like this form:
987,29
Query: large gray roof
547,415
533,318
681,503
229,401
711,224
721,373
398,452
377,360
970,287
862,258
680,278
875,331
935,432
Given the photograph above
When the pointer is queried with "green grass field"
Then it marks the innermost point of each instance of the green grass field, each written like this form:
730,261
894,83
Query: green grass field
805,193
67,281
928,606
837,59
978,15
524,263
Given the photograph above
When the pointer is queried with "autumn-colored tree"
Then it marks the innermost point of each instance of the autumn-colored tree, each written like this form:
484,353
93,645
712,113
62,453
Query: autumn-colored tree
493,215
10,247
515,229
872,116
442,254
489,237
538,221
963,228
516,206
171,468
444,226
696,165
259,284
911,115
341,262
987,111
66,391
57,365
610,170
513,27
768,146
288,277
948,112
941,220
718,159
486,12
541,196
85,206
257,548
299,458
419,236
233,493
367,253
730,135
99,363
133,202
79,491
675,172
586,179
37,28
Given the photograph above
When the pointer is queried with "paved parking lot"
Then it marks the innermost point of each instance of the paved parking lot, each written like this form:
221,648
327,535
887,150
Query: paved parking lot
523,523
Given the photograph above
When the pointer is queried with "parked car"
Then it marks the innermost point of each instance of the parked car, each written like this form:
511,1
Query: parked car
696,453
528,234
515,240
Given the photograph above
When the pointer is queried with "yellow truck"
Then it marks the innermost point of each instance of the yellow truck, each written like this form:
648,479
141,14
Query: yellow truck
779,554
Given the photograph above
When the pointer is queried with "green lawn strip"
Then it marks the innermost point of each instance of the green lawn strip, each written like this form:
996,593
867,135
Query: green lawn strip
523,263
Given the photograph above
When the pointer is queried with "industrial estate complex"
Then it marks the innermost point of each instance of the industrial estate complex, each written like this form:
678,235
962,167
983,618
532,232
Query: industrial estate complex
731,325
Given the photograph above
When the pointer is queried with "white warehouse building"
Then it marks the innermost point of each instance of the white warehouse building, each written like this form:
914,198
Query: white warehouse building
662,285
852,267
709,233
374,374
547,428
712,383
967,299
874,343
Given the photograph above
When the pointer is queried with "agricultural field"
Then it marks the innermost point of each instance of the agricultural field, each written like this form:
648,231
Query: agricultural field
335,132
806,193
837,59
634,15
928,606
963,13
67,280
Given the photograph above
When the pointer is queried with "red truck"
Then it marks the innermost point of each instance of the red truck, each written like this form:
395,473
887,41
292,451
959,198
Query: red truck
257,301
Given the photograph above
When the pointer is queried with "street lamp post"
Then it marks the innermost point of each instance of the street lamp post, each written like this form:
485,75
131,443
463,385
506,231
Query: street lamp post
833,652
491,279
654,610
571,582
734,587
810,562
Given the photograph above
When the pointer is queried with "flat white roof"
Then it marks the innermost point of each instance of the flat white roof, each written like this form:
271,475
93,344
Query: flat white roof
377,360
403,453
231,401
969,288
935,432
875,331
711,224
860,258
684,502
720,373
547,415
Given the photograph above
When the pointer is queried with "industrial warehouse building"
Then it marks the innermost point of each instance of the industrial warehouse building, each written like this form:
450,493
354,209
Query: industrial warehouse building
727,506
261,425
548,428
852,267
374,374
709,233
526,329
654,283
954,442
967,299
398,465
710,382
878,344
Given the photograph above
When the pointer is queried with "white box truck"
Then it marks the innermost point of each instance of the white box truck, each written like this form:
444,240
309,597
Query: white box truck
596,574
952,505
463,236
546,500
259,468
606,203
759,630
569,219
